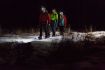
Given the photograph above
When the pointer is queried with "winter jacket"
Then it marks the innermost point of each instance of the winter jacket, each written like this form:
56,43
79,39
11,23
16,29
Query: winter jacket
54,17
63,21
44,18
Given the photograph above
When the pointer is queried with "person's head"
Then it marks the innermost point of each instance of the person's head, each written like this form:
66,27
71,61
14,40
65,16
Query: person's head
43,9
61,13
53,10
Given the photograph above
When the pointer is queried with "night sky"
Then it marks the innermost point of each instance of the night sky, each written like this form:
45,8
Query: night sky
24,13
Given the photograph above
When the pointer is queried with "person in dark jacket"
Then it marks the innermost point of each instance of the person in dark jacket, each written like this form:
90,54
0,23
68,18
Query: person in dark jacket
62,23
44,20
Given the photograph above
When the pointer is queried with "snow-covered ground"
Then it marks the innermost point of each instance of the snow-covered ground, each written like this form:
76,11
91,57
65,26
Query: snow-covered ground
98,34
26,39
74,36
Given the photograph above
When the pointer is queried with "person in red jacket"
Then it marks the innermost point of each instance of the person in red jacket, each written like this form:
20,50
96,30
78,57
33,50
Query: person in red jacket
44,20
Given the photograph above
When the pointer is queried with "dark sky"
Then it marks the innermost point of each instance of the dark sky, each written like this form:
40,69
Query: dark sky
80,13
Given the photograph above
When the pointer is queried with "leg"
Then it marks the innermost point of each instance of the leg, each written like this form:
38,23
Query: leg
46,30
55,26
52,28
40,36
61,30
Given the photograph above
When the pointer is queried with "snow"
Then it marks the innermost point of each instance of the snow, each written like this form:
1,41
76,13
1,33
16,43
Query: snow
74,36
26,39
98,34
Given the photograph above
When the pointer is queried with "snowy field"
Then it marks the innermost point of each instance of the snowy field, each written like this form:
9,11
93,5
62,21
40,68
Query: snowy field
73,36
45,54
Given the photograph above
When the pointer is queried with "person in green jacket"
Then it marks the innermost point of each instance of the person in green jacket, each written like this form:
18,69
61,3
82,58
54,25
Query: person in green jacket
54,21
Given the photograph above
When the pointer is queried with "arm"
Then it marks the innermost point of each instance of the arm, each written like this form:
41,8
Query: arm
57,16
48,19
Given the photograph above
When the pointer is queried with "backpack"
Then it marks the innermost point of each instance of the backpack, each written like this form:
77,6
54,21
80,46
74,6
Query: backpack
65,21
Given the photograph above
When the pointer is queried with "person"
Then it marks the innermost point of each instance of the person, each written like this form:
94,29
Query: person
54,21
62,22
44,20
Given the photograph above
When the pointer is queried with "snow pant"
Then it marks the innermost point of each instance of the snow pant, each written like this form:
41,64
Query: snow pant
44,27
61,30
53,27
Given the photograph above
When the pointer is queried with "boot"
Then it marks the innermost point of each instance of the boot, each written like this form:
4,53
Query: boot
47,36
39,37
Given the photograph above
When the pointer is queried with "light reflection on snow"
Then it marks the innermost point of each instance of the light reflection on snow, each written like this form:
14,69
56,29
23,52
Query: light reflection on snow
75,36
16,40
29,39
98,34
